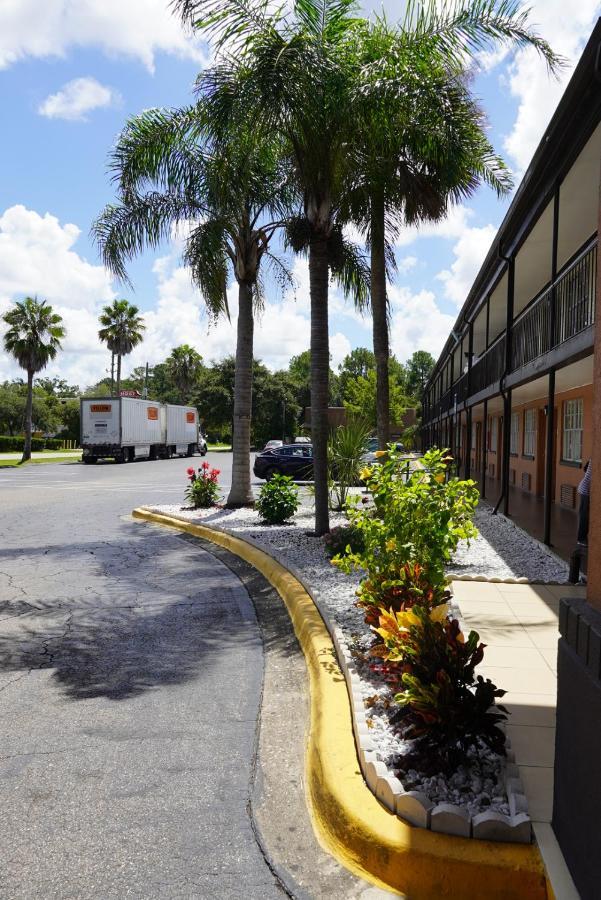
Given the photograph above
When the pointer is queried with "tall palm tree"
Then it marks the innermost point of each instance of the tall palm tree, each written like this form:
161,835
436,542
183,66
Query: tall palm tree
121,331
423,142
232,198
294,68
33,338
184,365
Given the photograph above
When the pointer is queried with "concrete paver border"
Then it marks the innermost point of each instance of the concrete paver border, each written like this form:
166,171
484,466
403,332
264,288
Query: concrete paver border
350,822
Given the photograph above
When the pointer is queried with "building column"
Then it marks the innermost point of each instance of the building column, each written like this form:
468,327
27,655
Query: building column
484,449
549,459
594,537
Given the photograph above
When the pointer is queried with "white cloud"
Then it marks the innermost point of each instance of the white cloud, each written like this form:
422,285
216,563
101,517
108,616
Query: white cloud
76,98
470,251
417,323
138,28
567,27
37,257
451,226
407,263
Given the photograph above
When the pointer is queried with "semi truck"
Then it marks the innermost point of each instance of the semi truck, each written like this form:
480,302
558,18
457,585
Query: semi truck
127,428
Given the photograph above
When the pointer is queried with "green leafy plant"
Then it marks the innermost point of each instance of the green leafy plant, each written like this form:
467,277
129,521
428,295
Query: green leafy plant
203,490
278,500
345,451
420,516
342,537
409,586
443,705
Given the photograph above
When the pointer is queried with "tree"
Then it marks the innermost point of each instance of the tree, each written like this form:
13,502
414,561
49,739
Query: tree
33,338
121,331
357,364
234,195
361,399
294,69
421,135
184,366
419,367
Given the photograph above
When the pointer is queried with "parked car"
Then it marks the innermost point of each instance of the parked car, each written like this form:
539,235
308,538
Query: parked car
295,460
202,444
271,445
369,457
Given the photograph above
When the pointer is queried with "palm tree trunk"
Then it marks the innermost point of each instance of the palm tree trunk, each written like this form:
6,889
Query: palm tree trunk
118,373
379,313
320,375
28,417
241,492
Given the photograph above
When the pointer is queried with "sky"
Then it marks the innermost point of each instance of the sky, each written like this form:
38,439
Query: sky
73,71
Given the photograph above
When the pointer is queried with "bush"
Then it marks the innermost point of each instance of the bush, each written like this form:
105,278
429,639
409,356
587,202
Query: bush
278,500
399,593
203,490
419,517
343,538
345,451
444,706
14,444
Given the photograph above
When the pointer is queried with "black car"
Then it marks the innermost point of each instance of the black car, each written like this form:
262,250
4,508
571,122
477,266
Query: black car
291,459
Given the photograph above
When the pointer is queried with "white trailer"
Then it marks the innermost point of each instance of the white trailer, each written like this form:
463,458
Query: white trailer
182,429
122,428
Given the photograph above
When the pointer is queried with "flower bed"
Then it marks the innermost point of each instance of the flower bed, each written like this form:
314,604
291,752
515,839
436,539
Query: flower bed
482,795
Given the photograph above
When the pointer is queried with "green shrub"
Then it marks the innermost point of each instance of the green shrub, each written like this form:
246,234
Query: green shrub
345,451
339,539
419,517
14,443
278,500
444,706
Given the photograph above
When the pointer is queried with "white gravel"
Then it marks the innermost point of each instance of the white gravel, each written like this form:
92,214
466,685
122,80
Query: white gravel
501,550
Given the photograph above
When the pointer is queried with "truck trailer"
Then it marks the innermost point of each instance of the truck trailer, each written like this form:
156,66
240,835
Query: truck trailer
126,428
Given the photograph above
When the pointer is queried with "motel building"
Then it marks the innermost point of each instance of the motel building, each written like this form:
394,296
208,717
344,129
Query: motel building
516,395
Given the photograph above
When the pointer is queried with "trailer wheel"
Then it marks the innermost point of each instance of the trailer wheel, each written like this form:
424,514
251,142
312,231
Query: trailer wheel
190,450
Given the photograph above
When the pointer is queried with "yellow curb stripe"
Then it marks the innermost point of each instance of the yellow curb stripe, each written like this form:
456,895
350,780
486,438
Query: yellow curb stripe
349,821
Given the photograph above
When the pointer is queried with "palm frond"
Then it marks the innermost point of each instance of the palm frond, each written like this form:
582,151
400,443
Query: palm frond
350,269
205,254
463,28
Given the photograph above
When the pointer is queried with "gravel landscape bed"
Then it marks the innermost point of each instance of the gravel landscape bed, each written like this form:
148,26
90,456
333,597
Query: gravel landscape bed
479,785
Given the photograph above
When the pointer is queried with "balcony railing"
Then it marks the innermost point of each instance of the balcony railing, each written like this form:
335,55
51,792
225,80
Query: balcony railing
489,368
572,298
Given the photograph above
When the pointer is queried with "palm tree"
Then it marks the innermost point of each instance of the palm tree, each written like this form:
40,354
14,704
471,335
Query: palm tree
33,337
422,138
121,331
293,69
184,365
233,198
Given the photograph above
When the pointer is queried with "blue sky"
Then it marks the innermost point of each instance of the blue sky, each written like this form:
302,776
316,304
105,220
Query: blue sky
72,74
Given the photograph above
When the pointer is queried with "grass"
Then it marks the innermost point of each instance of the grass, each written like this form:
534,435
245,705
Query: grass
16,463
219,446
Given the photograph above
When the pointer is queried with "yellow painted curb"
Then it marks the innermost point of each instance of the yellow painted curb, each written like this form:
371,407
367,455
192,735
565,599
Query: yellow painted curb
350,822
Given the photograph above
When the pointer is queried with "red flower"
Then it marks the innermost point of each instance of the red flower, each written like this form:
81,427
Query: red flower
217,472
190,471
205,466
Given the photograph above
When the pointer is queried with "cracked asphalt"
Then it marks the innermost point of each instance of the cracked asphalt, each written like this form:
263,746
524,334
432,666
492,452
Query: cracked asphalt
130,680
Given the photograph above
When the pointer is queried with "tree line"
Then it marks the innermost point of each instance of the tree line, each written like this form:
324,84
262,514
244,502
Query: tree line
278,403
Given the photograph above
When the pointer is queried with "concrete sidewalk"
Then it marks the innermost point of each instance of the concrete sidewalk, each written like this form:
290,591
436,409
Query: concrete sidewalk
519,623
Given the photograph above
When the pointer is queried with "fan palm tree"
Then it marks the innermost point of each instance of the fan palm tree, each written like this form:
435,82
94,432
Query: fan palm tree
184,365
232,199
33,338
422,136
121,331
298,69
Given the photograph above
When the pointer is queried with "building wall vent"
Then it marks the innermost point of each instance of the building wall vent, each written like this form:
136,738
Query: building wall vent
568,496
491,470
526,481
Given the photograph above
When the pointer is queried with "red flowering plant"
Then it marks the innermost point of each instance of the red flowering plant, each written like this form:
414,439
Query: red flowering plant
203,490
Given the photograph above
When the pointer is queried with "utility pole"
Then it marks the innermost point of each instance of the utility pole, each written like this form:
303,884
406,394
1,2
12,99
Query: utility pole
112,373
284,420
145,393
